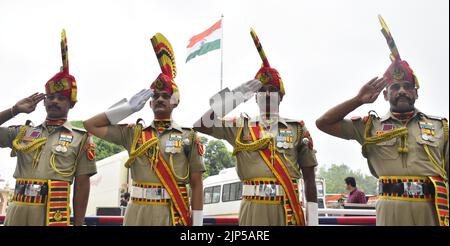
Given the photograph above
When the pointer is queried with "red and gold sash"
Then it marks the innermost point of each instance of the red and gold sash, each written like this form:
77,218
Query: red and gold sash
292,204
170,184
441,199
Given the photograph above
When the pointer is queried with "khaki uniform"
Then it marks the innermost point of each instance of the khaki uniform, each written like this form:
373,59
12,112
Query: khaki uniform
384,159
75,156
250,165
187,159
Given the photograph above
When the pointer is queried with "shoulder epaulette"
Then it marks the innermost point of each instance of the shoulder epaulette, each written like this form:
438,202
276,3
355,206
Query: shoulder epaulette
292,121
435,117
79,129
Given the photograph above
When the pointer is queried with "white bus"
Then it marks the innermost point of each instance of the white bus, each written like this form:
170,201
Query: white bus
223,194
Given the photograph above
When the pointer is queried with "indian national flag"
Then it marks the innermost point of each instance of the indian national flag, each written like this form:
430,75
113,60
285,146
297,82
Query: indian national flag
205,42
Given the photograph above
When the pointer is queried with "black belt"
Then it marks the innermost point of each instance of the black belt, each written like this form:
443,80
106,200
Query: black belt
399,188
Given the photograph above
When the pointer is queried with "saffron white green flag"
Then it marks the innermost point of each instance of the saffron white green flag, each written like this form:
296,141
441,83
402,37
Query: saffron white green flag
205,42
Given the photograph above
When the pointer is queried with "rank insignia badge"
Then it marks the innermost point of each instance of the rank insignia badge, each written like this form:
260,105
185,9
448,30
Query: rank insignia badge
31,135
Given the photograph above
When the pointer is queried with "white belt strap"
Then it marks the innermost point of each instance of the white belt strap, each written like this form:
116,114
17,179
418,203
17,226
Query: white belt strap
262,190
149,193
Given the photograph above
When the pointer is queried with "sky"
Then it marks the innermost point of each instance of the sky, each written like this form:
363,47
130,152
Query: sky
325,50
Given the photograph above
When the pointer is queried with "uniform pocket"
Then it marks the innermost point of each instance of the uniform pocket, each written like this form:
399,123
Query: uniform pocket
63,157
431,141
387,150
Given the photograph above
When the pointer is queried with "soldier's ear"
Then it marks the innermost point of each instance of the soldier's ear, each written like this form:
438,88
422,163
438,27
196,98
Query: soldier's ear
385,94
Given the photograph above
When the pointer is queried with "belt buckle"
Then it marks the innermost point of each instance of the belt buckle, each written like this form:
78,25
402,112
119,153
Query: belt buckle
153,193
270,190
32,190
413,188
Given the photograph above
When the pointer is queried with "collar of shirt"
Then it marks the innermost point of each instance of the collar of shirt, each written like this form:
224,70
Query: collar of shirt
259,119
173,125
390,115
66,125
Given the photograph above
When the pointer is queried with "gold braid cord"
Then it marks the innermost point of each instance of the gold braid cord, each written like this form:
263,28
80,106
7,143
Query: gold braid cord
36,144
257,145
439,168
191,137
71,171
135,153
32,146
399,132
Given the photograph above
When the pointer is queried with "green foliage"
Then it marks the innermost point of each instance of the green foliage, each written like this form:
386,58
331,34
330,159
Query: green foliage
216,157
335,175
103,149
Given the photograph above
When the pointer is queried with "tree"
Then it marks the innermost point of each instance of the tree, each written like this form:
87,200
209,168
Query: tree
216,157
103,149
335,175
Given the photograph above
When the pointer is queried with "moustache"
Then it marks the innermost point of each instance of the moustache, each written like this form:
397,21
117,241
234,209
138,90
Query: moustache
404,97
54,107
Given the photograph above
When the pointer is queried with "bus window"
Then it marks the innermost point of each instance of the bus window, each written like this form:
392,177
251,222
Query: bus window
216,194
232,192
207,195
211,194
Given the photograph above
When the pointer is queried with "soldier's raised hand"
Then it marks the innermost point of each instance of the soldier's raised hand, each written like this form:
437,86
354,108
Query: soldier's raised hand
247,89
371,90
124,108
138,101
28,104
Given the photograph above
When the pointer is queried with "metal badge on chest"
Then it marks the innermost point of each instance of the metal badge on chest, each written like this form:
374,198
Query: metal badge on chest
65,139
285,139
174,143
427,130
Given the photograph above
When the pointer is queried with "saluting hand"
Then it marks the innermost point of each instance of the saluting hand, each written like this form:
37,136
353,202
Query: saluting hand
28,104
247,90
370,91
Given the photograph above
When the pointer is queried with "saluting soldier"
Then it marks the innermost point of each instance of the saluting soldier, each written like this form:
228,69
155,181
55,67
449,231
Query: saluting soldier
163,157
50,156
406,149
272,152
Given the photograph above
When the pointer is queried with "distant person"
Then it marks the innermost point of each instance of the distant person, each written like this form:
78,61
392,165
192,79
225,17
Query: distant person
340,203
125,198
354,195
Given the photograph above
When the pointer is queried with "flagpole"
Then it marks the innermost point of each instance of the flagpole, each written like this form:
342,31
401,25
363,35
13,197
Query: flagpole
221,55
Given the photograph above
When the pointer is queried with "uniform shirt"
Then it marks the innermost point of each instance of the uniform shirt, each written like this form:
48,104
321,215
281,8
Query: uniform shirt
356,196
384,158
187,157
251,164
76,154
